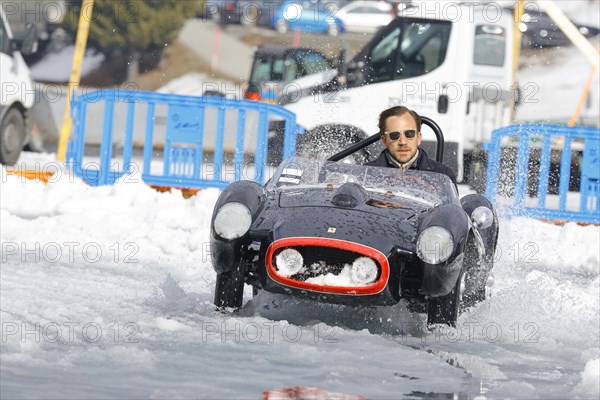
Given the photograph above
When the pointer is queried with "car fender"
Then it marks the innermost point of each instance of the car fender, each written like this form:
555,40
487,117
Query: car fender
488,235
439,279
453,218
224,252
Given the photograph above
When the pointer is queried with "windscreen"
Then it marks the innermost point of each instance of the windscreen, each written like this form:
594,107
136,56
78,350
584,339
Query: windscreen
428,188
409,50
268,69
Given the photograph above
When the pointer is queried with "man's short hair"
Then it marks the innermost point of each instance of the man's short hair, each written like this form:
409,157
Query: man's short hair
397,111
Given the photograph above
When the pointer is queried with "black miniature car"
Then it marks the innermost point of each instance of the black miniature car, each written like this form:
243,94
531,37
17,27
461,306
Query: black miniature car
356,235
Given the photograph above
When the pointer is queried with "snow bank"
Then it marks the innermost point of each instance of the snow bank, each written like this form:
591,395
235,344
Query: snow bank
589,387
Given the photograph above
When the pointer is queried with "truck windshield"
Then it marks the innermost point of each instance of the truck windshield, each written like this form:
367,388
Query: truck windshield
411,49
287,67
272,69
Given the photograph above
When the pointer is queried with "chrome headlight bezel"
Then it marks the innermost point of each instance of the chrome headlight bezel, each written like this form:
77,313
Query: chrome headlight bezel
482,217
289,262
435,245
364,271
232,221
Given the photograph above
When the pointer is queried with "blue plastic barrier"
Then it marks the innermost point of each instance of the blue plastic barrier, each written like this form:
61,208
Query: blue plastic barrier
185,135
540,144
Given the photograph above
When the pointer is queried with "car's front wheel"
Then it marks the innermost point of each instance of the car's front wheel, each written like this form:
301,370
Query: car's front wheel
476,277
12,137
445,309
229,288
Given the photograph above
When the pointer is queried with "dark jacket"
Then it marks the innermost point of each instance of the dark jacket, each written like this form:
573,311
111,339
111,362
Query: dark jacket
422,163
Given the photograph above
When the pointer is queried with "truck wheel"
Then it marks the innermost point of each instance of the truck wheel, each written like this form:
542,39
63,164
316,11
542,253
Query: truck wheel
445,309
229,288
12,137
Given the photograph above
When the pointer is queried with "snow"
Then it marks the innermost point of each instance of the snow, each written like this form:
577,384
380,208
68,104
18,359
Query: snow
56,67
589,378
195,84
552,84
344,278
106,292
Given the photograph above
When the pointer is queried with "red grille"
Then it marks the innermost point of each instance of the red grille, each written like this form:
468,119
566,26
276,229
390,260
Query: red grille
335,253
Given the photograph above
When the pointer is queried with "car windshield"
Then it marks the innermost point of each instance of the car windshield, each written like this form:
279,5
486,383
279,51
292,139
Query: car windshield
427,188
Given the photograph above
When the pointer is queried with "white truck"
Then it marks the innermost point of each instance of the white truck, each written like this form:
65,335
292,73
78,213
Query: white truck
17,95
46,15
449,61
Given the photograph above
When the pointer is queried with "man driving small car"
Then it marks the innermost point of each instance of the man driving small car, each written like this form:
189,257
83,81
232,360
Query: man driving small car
400,130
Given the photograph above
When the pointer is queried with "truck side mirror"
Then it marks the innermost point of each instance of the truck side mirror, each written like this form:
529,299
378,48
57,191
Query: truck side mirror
29,45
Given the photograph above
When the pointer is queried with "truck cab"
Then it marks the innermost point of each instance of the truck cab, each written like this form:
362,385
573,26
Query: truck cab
17,95
450,62
275,66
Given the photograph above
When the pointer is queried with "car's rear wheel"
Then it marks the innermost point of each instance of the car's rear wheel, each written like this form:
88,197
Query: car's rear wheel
229,288
445,309
12,137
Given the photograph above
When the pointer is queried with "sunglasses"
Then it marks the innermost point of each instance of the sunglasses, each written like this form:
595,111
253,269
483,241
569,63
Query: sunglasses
409,133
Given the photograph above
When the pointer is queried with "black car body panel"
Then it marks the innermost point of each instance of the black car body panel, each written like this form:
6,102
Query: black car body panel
333,215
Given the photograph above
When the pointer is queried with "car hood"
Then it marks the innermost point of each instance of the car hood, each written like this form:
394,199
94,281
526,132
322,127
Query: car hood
354,198
376,231
290,215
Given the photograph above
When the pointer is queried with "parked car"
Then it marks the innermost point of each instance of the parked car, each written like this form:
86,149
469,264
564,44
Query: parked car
355,235
275,66
539,30
308,16
366,16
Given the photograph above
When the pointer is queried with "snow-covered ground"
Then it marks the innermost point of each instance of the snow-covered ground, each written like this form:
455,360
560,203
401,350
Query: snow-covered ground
107,293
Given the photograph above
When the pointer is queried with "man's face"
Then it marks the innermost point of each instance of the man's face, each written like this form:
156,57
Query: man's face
403,149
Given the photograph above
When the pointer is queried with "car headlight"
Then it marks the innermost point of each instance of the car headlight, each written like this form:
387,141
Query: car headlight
232,221
435,245
482,217
289,262
523,27
364,270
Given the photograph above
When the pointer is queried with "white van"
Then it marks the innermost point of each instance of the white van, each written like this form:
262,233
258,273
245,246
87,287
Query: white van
17,94
448,61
